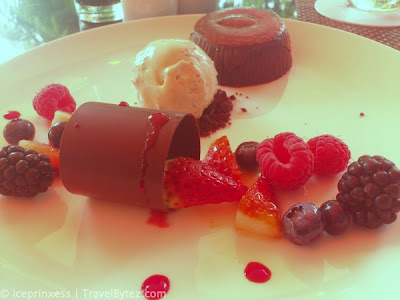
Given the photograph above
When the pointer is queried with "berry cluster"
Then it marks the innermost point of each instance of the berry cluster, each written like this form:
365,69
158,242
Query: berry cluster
369,195
288,161
369,190
304,223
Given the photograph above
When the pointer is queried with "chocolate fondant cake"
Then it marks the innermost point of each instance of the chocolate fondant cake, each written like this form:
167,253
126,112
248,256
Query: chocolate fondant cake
119,152
248,46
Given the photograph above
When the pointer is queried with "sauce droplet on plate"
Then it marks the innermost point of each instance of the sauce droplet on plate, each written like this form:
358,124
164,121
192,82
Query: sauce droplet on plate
123,103
158,218
257,272
12,114
155,287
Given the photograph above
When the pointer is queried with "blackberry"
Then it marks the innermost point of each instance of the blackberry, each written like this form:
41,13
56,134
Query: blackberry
24,172
370,189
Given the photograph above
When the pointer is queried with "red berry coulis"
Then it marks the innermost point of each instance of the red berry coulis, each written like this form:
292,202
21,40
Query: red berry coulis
158,218
155,287
12,114
257,272
123,103
157,120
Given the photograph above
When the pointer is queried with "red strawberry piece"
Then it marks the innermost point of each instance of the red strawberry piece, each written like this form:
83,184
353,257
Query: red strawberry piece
51,98
257,212
285,160
221,157
189,182
331,155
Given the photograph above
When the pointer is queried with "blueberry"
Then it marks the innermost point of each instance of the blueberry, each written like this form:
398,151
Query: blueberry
246,156
18,129
303,223
55,133
337,218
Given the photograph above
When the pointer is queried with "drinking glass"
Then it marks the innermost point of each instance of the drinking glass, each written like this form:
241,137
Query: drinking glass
99,11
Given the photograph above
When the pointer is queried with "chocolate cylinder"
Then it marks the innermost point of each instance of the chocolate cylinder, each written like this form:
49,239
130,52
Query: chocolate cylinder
119,153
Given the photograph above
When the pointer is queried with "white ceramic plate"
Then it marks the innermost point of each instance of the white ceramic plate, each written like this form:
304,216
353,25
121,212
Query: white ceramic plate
81,246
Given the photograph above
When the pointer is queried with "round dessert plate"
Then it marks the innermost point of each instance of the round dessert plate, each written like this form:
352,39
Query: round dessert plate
81,248
344,11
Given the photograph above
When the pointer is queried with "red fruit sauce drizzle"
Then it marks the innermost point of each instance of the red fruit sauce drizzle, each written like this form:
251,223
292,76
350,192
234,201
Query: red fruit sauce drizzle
257,272
157,120
155,287
12,114
123,103
158,218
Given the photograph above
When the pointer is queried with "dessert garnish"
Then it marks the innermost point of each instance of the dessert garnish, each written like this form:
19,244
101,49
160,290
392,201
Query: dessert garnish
18,129
12,114
45,149
217,115
221,157
285,160
331,155
51,98
257,211
24,172
370,189
246,155
257,272
336,216
55,133
303,224
190,182
155,287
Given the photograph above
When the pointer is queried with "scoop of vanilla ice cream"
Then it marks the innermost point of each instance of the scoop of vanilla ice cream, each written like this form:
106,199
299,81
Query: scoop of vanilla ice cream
175,75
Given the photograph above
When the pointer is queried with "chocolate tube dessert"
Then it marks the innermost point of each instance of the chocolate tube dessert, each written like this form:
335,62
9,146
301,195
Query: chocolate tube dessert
119,152
248,46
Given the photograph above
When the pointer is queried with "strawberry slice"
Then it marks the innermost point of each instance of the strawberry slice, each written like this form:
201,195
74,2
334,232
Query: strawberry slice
257,212
221,157
189,182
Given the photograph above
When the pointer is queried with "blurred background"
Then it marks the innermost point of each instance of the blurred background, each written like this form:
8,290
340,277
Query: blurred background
25,24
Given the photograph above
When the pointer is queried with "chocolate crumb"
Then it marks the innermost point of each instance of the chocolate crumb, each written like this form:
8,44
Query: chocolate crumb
217,115
243,109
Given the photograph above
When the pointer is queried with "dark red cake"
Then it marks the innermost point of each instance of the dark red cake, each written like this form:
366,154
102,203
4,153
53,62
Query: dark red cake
248,46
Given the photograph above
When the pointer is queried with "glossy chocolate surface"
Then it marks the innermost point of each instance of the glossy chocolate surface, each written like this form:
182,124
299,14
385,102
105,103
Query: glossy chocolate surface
103,152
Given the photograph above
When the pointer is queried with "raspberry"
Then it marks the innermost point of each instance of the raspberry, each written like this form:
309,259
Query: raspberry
24,173
285,160
331,155
370,189
51,98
